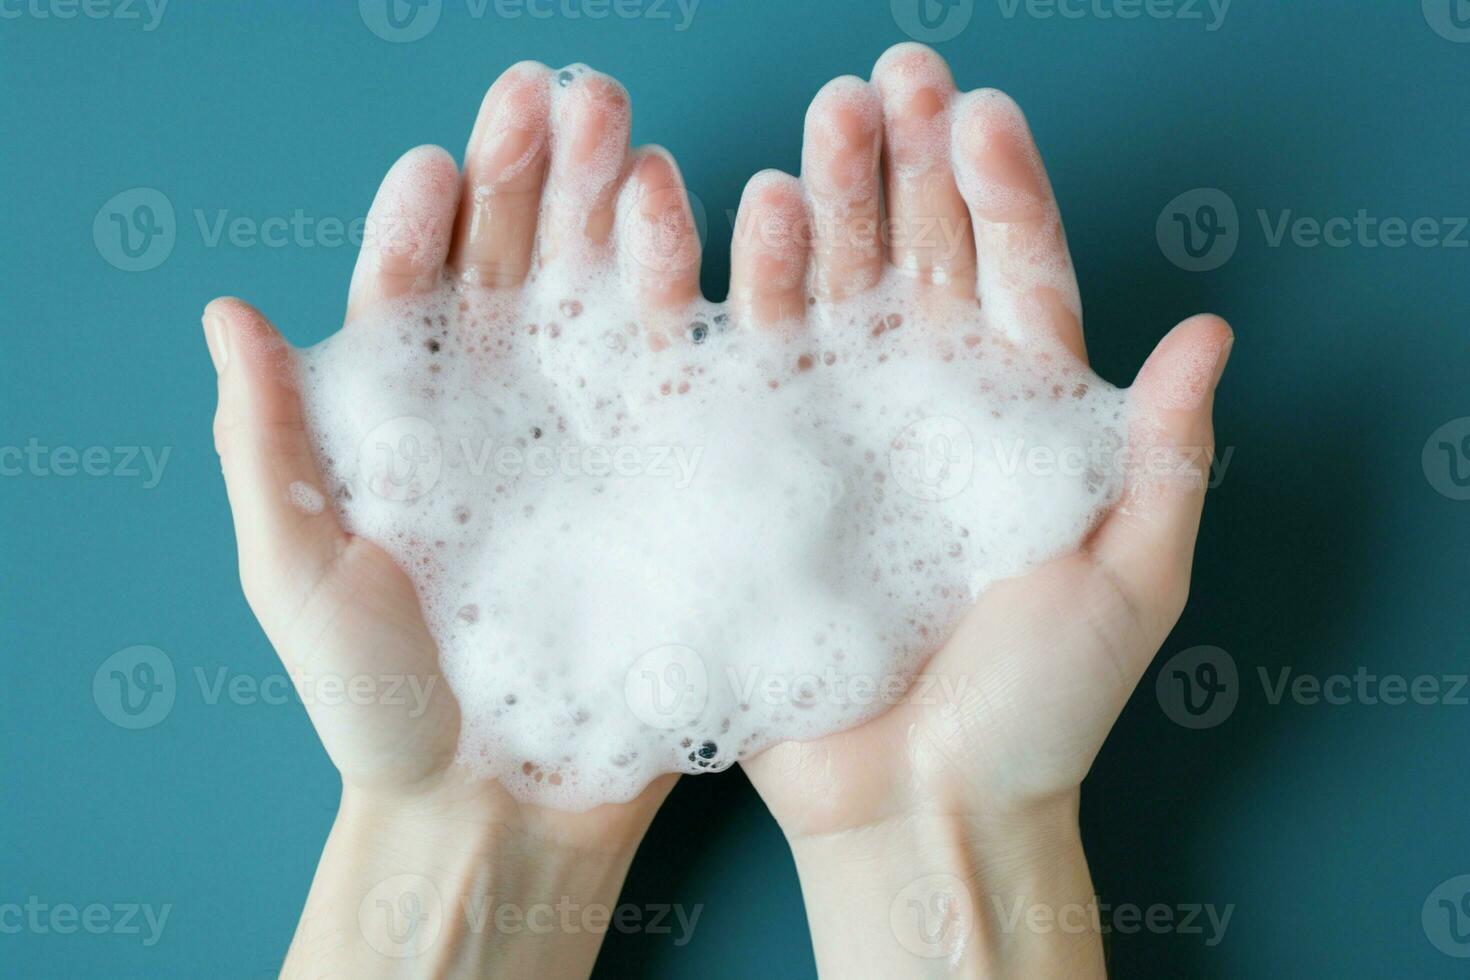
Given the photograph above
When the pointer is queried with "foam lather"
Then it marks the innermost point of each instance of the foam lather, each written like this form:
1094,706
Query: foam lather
644,557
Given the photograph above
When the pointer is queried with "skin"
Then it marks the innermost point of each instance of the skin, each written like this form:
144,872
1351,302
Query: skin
978,792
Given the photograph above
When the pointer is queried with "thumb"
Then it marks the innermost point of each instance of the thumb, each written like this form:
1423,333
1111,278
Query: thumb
302,572
1147,542
287,535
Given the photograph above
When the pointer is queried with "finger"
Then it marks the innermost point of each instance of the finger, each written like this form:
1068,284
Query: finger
505,167
1026,280
1147,542
768,258
658,242
927,225
839,168
285,529
591,117
406,237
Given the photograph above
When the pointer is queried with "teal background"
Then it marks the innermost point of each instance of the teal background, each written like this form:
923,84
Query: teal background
1325,548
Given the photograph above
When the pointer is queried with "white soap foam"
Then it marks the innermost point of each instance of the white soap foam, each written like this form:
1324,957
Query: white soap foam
638,561
305,497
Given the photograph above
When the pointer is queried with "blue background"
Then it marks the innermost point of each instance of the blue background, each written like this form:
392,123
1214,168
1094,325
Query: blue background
1325,548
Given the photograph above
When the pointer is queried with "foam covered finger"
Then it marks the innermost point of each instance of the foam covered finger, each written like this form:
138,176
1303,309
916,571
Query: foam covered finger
839,168
658,243
505,166
406,237
1025,274
591,119
927,226
768,257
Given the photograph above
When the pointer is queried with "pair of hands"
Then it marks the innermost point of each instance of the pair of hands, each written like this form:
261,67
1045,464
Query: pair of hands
909,831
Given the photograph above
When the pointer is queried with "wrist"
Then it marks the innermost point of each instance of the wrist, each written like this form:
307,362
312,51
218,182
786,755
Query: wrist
416,889
953,894
469,809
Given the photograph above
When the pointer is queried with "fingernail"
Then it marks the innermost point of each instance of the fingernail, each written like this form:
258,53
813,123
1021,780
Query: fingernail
217,340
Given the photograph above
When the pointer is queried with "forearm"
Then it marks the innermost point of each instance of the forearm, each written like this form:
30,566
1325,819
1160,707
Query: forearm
940,895
400,896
